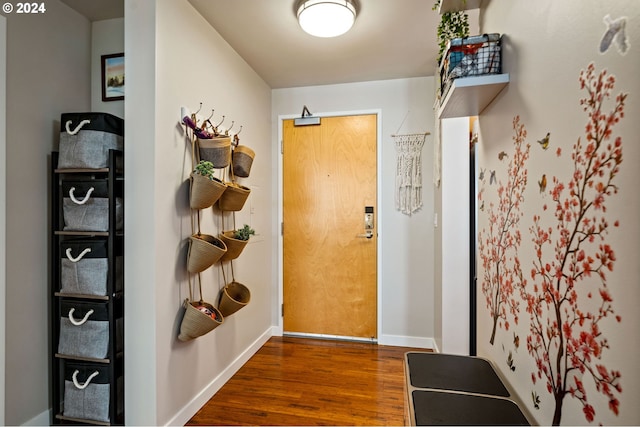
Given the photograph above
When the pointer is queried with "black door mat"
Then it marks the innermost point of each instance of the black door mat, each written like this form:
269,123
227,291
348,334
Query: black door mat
441,408
457,373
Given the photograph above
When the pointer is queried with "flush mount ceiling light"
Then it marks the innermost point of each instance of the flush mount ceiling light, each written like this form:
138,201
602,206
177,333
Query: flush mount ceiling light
326,18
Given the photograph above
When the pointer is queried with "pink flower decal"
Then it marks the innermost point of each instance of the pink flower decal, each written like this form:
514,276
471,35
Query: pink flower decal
569,299
498,246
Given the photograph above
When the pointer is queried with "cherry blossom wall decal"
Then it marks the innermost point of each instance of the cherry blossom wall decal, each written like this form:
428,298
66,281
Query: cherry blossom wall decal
498,245
568,300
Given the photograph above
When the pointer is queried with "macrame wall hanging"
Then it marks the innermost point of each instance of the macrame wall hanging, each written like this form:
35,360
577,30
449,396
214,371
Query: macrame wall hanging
409,171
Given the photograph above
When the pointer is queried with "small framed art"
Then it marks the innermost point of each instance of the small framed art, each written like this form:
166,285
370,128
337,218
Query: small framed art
112,77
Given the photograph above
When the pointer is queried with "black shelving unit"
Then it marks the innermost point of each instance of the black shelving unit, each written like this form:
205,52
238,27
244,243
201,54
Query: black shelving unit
105,373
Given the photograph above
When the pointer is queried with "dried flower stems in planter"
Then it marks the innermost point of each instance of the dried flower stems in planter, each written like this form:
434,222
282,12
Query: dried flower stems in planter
212,146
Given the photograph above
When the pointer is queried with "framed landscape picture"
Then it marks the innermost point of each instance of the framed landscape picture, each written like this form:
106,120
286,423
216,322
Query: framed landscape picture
113,77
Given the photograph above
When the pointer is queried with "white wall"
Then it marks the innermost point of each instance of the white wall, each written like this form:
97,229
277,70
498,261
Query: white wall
547,44
141,310
406,241
437,260
48,72
167,381
107,37
454,223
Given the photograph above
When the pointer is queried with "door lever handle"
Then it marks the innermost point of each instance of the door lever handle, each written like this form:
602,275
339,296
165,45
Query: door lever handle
367,235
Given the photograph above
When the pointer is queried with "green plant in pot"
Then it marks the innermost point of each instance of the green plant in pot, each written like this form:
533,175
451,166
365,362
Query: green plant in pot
235,241
244,233
206,169
453,25
206,189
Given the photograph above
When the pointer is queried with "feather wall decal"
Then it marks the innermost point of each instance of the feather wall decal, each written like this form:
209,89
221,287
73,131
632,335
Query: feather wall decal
615,33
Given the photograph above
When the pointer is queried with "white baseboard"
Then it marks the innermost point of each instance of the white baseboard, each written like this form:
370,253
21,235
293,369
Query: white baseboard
406,341
392,340
277,330
190,409
329,337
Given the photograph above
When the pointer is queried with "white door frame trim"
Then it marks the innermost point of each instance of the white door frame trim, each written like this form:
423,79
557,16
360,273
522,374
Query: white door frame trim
279,329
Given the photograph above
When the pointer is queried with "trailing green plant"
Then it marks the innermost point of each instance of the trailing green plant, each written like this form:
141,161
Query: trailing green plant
244,233
205,168
453,25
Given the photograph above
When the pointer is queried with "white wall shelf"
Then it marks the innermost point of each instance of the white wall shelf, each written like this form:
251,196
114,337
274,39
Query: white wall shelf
455,5
469,96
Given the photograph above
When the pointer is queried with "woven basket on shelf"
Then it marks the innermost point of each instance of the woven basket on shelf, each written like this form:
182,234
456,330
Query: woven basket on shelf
216,150
242,159
234,197
233,297
204,251
196,323
204,191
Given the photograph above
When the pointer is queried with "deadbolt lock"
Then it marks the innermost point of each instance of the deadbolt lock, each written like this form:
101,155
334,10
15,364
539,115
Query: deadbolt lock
368,222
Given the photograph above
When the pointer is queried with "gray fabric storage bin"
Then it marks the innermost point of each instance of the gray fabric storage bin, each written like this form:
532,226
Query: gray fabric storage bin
87,391
84,329
85,206
84,266
88,395
86,138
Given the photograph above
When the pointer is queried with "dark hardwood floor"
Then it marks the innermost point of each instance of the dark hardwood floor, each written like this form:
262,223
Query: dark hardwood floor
299,381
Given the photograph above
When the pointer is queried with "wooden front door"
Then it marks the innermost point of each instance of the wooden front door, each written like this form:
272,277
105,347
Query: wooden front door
329,267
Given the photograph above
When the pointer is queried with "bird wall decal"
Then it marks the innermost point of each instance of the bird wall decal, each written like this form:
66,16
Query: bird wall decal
543,183
544,142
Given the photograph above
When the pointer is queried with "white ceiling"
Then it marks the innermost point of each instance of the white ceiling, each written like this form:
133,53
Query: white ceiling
390,39
98,10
